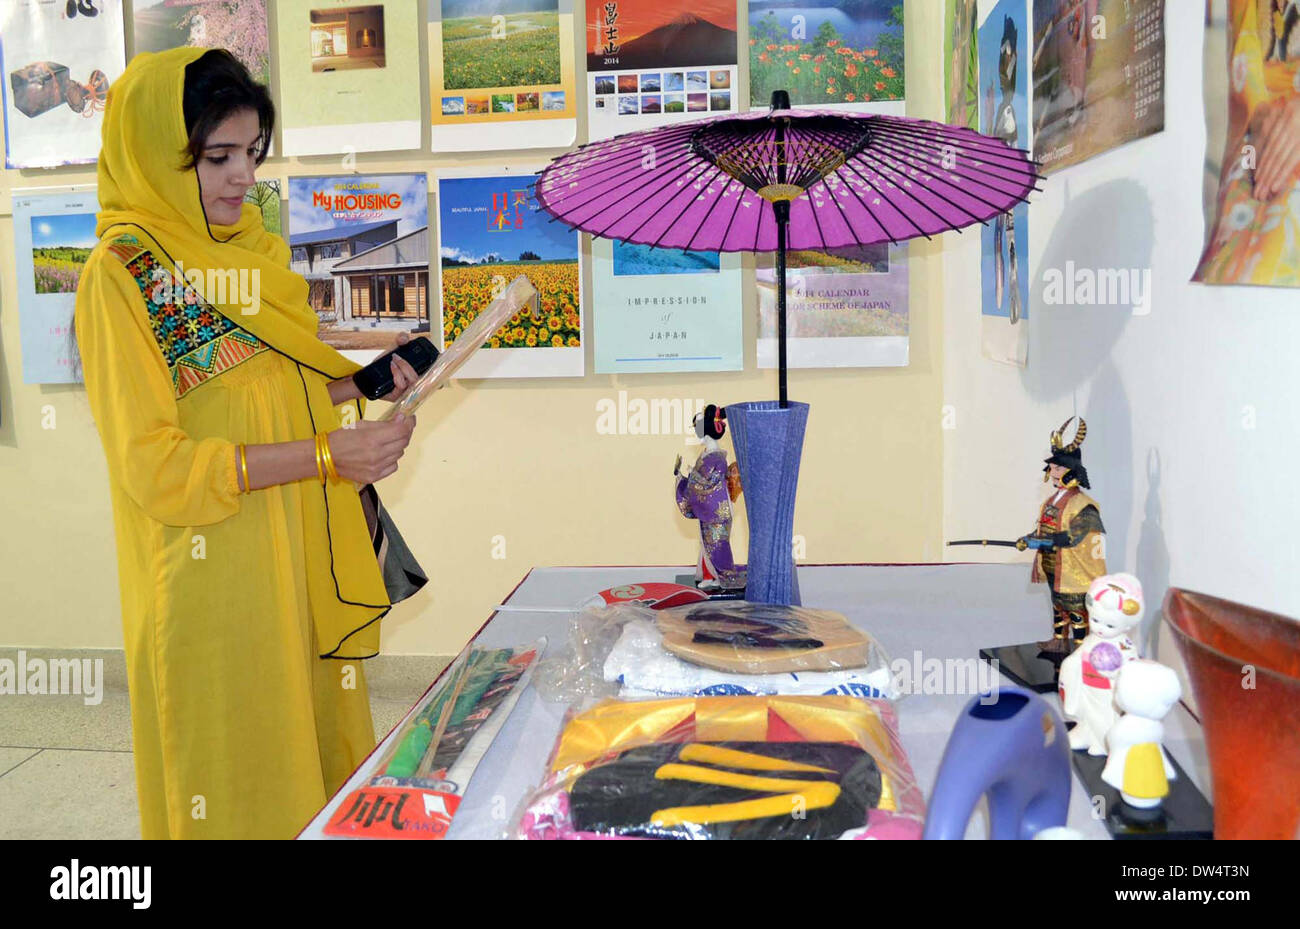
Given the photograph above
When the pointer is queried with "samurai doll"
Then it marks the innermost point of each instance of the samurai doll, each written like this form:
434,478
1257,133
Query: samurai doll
705,493
1069,541
1005,126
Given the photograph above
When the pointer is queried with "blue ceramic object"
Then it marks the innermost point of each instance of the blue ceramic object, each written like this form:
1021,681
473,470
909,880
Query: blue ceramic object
1016,751
769,445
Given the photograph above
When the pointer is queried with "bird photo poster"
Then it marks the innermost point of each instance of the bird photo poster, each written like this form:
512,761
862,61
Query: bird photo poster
501,74
1004,240
58,61
655,62
490,231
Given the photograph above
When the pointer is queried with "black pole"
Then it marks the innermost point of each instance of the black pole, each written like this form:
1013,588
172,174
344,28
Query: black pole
781,101
782,209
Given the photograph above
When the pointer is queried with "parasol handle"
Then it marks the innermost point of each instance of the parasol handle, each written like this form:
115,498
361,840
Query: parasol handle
781,101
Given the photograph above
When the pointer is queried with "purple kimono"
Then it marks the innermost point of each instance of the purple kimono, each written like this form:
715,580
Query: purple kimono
704,495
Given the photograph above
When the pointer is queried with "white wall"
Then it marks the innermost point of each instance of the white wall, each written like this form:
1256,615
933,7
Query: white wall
1190,495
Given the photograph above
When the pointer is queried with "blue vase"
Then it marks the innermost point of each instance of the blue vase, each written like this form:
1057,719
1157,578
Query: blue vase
1010,745
769,445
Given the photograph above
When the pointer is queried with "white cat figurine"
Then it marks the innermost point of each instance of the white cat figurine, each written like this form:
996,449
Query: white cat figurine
1138,766
1115,605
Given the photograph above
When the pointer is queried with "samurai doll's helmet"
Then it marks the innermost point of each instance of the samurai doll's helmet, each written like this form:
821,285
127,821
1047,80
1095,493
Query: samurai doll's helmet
1068,456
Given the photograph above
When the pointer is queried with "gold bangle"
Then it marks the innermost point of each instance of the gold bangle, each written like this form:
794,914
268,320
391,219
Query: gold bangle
243,466
329,457
320,466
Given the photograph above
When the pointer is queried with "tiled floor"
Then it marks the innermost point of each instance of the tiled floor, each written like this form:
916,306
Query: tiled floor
66,773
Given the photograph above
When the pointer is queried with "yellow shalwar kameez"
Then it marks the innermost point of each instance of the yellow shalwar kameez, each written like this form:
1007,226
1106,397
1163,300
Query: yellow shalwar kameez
242,727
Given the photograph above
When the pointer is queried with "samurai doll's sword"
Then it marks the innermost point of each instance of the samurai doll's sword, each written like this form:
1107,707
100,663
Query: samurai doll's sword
1002,543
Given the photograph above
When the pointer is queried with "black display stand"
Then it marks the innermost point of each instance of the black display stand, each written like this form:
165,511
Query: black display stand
688,580
1184,814
1028,665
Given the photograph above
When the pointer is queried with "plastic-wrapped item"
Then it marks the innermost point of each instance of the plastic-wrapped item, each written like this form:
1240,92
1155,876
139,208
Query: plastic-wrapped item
763,638
420,779
640,663
728,768
619,651
519,294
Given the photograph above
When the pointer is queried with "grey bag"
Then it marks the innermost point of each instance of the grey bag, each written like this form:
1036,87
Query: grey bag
403,575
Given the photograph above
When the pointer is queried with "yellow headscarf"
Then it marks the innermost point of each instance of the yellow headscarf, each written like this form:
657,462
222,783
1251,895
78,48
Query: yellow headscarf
144,190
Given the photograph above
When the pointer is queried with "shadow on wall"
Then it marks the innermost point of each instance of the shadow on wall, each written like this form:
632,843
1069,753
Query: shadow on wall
1093,275
1152,561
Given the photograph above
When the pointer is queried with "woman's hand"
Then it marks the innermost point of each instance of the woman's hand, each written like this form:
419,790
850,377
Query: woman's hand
403,374
1275,130
367,451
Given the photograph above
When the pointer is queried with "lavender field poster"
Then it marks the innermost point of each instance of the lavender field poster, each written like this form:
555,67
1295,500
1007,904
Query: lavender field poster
53,237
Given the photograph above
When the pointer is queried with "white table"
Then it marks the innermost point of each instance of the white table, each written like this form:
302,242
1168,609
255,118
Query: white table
945,611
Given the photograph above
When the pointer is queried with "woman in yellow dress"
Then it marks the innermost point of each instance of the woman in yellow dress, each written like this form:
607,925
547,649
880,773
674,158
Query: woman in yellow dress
248,580
1254,235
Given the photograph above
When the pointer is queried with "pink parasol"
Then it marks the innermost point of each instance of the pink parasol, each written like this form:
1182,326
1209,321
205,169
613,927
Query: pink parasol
785,179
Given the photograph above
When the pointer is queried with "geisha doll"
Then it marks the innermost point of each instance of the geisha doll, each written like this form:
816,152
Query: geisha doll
705,493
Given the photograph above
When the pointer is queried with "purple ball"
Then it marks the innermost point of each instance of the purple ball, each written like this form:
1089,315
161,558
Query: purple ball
1105,657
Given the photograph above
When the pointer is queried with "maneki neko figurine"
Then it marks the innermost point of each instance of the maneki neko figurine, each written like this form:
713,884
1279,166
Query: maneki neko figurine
1138,766
1087,680
1069,541
705,492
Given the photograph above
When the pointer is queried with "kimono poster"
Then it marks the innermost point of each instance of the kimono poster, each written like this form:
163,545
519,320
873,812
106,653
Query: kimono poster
343,66
1099,77
846,308
845,54
362,243
491,230
1252,211
1004,241
57,63
654,62
239,26
53,237
665,309
961,63
501,74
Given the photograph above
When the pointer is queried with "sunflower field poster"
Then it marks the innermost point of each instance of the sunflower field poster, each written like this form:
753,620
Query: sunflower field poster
490,231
